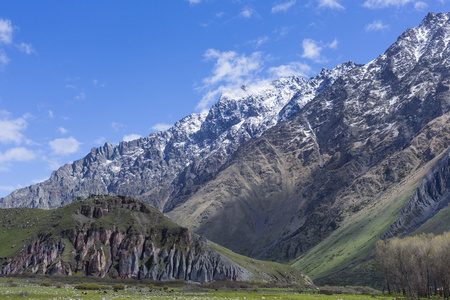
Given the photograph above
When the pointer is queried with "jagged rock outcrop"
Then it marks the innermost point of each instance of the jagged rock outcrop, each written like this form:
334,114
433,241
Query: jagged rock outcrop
121,237
429,198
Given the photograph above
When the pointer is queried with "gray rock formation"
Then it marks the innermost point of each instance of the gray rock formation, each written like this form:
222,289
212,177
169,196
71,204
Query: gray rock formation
429,198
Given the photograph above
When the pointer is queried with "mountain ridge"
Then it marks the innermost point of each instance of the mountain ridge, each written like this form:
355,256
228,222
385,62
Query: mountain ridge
204,140
276,170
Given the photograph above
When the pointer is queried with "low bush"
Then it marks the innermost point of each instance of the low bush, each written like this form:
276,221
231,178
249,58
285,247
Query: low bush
89,286
118,287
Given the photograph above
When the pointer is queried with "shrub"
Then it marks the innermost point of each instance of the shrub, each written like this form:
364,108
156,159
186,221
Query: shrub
46,283
118,287
88,286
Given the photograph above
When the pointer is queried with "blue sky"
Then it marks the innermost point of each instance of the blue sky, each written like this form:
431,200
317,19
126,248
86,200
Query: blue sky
75,74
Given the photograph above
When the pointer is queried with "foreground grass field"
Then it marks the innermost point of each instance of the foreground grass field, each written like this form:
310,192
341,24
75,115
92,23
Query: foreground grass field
45,288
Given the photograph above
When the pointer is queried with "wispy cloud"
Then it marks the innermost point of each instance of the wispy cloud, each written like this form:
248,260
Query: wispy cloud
65,146
15,154
376,25
312,50
333,44
161,127
11,129
51,115
293,68
131,137
283,7
230,70
194,1
4,60
385,3
420,6
6,31
26,48
62,130
6,38
259,41
333,4
247,13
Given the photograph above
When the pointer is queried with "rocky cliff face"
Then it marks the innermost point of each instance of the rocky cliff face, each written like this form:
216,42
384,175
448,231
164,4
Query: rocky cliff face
112,253
122,238
429,198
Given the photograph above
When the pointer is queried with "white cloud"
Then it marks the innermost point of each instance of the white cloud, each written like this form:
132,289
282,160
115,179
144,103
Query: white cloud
62,130
50,114
293,68
283,7
161,127
333,44
247,13
231,67
385,3
194,1
333,4
376,26
11,130
65,146
15,154
94,81
26,48
6,31
4,60
311,50
231,70
131,137
420,6
259,41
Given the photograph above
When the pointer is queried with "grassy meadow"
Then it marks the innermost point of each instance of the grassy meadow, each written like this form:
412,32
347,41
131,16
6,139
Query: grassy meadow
38,287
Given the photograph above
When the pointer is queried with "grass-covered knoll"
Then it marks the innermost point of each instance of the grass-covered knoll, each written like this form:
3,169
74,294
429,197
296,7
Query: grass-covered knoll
18,226
438,224
265,271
